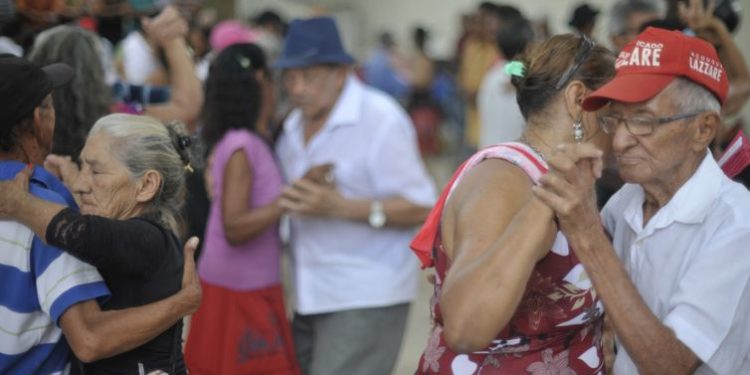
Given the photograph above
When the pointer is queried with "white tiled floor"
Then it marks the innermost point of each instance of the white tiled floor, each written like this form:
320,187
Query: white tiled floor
417,329
419,324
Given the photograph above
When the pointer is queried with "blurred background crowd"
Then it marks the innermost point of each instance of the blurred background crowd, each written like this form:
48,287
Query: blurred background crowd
441,60
432,57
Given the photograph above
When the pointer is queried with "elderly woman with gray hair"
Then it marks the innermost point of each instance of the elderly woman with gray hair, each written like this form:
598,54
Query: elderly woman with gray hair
129,188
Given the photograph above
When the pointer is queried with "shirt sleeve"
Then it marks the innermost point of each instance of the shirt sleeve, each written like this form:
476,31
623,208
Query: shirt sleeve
134,247
138,64
396,165
708,310
62,280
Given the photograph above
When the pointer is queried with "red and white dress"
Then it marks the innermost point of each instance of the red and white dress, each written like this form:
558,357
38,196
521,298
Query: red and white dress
556,329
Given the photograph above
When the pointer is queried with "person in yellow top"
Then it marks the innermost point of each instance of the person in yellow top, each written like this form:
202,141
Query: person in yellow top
478,56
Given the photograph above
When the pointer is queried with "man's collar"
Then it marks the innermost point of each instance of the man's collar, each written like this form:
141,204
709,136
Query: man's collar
10,168
690,204
693,200
349,104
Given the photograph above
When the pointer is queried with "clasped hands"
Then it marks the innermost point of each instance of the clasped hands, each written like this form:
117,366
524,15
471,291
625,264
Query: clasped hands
568,187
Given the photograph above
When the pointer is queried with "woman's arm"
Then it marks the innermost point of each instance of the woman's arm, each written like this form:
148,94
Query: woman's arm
94,334
499,231
133,247
169,29
241,223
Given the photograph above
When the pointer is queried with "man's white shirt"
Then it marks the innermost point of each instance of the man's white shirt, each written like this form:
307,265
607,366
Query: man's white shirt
341,264
691,265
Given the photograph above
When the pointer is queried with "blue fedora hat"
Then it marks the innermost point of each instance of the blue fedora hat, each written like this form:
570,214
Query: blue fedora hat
312,41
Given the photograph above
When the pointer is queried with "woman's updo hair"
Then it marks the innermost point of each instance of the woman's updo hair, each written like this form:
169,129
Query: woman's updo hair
144,143
233,94
549,61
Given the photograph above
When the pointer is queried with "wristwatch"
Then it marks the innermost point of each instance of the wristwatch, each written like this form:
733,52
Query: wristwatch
377,217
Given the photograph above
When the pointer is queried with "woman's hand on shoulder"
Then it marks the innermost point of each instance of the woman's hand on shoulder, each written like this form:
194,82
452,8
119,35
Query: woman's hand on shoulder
63,167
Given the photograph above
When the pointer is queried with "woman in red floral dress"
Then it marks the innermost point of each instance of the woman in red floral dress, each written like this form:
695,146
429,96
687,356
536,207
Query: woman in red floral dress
510,296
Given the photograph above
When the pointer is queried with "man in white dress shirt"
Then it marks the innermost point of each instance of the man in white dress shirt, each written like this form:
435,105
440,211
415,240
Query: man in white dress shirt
674,275
358,188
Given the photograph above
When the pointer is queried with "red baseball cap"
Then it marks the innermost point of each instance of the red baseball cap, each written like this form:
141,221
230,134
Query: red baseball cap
653,60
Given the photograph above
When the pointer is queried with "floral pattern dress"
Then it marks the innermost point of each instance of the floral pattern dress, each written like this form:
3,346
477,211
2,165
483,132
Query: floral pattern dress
556,329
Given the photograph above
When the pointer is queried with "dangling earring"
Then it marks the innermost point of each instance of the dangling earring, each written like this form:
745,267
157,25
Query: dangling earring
578,132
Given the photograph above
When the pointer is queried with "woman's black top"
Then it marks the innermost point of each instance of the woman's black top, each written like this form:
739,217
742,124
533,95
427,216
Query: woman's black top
142,262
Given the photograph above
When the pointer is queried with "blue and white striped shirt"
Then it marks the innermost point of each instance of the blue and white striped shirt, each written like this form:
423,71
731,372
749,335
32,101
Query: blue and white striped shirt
38,283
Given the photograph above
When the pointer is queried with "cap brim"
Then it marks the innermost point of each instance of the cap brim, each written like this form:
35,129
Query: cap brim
59,74
627,88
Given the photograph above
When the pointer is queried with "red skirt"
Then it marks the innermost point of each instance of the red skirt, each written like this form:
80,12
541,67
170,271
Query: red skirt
240,333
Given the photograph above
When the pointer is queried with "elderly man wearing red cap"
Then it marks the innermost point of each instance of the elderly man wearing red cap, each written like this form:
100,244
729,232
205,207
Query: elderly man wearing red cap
670,261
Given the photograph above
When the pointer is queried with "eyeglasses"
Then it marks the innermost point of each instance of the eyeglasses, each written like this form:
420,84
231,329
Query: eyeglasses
639,126
585,47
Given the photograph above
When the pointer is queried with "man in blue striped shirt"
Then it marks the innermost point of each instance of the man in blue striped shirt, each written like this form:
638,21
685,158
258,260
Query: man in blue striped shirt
47,294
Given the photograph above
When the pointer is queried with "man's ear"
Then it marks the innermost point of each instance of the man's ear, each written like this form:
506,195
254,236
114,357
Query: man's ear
32,144
149,186
36,124
706,129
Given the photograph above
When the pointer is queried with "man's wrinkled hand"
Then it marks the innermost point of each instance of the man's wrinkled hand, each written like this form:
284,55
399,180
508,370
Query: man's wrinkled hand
306,198
191,292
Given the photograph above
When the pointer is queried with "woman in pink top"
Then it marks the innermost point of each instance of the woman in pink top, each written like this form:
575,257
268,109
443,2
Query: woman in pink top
510,297
241,327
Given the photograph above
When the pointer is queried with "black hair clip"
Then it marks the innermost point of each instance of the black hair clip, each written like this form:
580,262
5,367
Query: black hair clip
184,142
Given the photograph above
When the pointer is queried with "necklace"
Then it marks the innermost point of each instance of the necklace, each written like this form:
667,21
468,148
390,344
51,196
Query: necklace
525,141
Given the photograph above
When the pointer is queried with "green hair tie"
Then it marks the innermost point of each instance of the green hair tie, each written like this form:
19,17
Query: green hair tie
244,62
515,68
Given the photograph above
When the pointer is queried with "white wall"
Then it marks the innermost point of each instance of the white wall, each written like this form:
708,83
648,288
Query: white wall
361,20
440,17
346,18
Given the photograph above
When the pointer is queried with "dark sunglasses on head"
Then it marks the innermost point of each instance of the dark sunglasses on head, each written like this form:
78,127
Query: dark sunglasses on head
584,49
